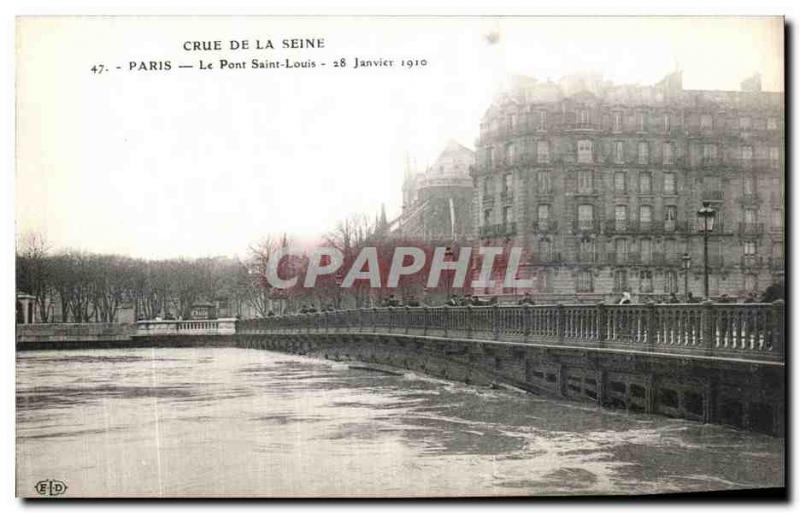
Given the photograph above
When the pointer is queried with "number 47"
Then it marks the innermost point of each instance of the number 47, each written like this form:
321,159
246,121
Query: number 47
98,68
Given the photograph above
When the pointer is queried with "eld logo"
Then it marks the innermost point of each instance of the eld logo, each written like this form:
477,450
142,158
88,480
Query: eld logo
50,487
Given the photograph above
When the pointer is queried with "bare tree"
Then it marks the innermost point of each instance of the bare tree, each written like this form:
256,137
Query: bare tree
34,271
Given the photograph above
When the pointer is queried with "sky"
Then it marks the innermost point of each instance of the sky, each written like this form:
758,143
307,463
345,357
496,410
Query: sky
191,162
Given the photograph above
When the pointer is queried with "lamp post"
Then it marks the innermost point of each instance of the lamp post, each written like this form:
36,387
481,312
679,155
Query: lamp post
706,216
686,261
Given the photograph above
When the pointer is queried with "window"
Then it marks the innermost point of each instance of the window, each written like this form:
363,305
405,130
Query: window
712,185
670,217
645,183
666,122
487,217
543,280
668,156
669,183
772,124
619,152
620,218
510,153
585,217
508,183
586,250
749,252
617,121
487,186
583,118
744,123
777,253
709,153
747,154
543,151
749,183
507,215
544,217
749,216
774,157
619,182
542,124
644,153
671,282
621,250
512,121
585,181
645,217
620,280
640,121
646,281
750,282
546,252
646,250
671,250
706,121
544,180
777,218
585,152
584,281
490,157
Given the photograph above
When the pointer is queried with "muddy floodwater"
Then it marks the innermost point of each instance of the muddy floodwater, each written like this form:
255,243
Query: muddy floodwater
242,422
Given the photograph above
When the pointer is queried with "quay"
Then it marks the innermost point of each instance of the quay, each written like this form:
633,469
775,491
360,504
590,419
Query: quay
709,362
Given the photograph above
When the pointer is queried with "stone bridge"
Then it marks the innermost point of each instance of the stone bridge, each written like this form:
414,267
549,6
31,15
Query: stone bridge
710,362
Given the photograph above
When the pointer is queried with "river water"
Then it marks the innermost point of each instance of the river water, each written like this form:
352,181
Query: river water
242,422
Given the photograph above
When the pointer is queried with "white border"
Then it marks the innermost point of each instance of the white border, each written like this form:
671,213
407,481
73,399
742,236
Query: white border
13,8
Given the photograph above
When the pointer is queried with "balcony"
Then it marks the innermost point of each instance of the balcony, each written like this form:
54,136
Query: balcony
776,263
751,261
709,162
751,228
619,258
712,196
488,201
545,258
582,127
545,226
585,225
498,230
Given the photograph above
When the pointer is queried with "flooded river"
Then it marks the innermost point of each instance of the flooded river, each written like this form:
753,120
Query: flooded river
241,422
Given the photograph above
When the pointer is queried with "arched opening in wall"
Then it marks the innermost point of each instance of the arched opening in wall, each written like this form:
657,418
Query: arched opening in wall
20,314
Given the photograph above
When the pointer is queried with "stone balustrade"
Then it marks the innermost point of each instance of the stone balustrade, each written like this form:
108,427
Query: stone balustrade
746,331
155,328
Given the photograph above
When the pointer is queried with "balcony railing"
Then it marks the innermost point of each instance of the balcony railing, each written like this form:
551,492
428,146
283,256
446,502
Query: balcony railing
751,228
712,195
585,225
751,261
545,226
754,331
776,263
498,230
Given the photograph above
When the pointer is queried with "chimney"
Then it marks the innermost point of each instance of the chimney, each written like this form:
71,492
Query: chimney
752,84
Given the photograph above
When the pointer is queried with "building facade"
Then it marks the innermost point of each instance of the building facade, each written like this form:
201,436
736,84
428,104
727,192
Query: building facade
601,184
438,204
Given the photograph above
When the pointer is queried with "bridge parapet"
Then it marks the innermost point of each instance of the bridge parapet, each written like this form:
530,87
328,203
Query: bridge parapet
151,328
748,331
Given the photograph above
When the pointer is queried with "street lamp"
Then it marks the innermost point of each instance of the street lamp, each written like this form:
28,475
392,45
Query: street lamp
686,262
705,217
